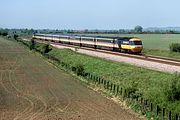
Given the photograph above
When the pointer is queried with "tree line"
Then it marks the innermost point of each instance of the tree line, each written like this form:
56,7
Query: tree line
137,30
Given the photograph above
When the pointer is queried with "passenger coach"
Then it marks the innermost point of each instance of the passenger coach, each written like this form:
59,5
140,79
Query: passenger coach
122,44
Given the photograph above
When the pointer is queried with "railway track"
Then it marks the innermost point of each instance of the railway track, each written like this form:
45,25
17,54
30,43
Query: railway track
158,59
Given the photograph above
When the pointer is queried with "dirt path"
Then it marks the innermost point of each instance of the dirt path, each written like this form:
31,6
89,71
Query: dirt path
32,89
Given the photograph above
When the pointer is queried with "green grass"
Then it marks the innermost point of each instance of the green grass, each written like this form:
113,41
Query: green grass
163,53
147,82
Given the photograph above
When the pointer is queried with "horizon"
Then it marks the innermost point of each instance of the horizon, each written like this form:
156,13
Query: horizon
91,15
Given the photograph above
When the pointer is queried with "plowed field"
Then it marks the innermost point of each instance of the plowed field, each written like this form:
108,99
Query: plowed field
32,89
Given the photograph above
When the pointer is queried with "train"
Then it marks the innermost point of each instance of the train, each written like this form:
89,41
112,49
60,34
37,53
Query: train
121,44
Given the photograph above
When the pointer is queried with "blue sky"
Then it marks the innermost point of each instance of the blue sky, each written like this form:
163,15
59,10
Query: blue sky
89,14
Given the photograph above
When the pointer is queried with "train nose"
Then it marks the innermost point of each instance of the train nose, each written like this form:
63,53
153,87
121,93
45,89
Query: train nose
137,49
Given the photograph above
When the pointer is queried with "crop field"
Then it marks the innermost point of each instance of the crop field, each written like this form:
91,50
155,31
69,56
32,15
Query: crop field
33,89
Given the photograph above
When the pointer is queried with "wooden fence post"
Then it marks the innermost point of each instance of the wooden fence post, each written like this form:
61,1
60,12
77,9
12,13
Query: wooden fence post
124,93
121,91
141,100
176,117
151,106
107,85
114,88
91,77
117,90
157,110
102,81
169,115
163,113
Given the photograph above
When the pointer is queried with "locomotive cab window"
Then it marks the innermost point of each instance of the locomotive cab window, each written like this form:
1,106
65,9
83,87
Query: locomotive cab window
135,42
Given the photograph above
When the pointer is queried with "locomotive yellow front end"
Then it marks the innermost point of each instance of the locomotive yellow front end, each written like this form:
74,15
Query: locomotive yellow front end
135,45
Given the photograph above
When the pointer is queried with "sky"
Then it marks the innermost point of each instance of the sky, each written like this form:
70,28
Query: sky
89,14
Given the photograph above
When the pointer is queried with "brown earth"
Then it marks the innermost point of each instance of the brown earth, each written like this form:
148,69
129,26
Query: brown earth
32,89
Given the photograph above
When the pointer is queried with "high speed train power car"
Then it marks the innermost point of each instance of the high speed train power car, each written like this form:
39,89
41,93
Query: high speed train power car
122,44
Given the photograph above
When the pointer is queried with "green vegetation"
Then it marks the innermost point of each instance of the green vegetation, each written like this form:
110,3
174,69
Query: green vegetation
32,44
163,53
138,29
140,81
46,49
173,89
175,47
15,36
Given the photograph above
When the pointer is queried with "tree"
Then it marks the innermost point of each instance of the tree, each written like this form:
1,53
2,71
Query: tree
32,44
15,36
138,29
4,33
46,48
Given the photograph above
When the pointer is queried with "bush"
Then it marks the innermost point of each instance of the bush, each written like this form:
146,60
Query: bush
46,49
172,90
79,68
15,36
175,47
32,44
4,34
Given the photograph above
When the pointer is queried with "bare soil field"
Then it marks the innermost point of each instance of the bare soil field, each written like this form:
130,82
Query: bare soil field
32,89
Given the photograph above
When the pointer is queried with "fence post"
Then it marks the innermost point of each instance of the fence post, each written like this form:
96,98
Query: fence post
141,100
157,110
163,113
176,117
169,115
107,85
117,90
121,91
151,106
91,77
114,88
124,93
102,81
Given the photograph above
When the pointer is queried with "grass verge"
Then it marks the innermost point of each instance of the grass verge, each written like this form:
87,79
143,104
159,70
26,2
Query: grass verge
162,53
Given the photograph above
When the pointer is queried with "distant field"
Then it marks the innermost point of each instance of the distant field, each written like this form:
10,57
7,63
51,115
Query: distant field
152,41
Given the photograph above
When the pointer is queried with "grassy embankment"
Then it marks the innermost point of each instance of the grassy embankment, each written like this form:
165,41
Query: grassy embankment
154,44
143,81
